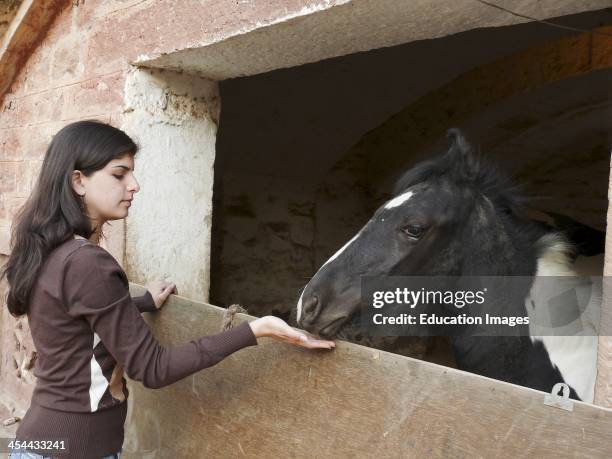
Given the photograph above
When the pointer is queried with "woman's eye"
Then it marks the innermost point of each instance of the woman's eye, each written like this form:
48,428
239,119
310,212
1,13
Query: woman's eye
118,177
413,231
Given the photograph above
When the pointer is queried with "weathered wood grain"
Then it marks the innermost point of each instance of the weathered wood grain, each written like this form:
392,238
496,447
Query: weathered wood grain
276,400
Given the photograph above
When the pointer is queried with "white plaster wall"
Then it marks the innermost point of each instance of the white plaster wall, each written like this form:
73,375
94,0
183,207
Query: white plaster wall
173,117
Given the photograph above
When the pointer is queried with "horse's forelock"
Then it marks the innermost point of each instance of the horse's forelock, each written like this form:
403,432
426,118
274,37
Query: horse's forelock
458,164
464,168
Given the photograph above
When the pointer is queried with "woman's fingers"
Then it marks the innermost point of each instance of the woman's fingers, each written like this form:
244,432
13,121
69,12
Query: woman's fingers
160,291
277,328
166,292
317,344
170,288
303,339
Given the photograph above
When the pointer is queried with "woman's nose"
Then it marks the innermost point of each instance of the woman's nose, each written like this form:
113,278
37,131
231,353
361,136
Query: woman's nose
134,186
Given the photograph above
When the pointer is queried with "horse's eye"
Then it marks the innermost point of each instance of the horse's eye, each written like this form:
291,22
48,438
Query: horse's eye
413,231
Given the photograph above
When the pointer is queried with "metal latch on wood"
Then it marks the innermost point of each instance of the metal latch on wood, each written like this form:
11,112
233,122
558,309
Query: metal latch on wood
559,401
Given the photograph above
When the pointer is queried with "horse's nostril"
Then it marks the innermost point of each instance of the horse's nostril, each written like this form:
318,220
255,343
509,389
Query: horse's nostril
310,305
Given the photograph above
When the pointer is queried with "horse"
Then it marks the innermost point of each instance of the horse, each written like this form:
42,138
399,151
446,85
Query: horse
459,215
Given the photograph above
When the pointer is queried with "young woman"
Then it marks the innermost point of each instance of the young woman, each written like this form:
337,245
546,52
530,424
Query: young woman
86,327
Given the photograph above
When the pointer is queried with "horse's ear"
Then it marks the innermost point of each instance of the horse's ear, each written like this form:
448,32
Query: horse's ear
458,140
458,162
461,154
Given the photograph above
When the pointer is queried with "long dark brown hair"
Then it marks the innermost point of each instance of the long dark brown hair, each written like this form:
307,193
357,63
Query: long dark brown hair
54,212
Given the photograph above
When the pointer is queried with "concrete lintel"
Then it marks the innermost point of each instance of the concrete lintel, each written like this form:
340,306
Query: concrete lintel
333,29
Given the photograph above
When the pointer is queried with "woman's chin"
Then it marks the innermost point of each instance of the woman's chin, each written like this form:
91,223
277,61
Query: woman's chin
118,216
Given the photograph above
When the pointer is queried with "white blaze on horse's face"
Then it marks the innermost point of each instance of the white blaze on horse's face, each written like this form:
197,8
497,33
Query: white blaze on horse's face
337,254
333,257
299,306
399,200
395,202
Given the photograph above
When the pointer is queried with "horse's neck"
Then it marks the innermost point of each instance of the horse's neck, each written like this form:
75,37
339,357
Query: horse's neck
501,248
572,346
547,359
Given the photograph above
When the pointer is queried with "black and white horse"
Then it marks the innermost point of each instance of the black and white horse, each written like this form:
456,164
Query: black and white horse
457,216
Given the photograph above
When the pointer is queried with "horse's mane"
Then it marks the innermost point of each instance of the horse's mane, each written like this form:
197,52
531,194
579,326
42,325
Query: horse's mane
463,167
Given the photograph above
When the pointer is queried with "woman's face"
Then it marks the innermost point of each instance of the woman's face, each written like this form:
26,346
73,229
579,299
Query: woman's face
108,192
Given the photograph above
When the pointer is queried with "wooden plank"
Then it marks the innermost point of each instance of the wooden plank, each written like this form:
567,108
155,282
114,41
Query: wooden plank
276,400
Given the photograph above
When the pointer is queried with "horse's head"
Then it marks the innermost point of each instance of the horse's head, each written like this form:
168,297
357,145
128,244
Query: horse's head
438,215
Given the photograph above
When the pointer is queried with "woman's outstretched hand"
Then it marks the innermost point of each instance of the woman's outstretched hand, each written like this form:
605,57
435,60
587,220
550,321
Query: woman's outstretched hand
160,291
278,329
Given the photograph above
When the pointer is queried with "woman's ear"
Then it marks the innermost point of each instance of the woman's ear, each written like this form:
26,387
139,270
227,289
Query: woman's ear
77,183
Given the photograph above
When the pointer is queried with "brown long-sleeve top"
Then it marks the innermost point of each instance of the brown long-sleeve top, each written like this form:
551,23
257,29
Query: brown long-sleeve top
87,330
